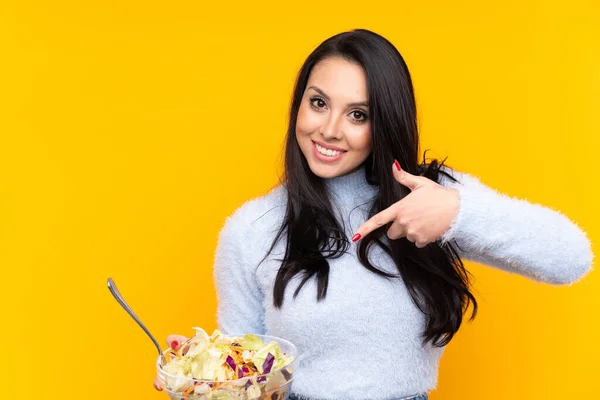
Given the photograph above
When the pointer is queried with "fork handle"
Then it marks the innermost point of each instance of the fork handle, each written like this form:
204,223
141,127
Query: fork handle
117,295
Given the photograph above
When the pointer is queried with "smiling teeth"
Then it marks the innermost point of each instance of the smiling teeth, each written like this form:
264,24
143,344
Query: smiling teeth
327,152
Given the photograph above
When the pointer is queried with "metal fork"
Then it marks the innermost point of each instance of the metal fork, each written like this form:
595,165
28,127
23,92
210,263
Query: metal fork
117,295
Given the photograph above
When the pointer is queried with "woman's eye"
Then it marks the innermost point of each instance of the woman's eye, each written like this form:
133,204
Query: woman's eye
359,116
317,102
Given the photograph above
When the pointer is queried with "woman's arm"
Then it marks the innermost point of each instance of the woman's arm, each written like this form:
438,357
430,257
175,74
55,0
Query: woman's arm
515,235
240,301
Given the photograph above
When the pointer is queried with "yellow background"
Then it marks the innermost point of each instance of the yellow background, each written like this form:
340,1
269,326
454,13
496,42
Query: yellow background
130,131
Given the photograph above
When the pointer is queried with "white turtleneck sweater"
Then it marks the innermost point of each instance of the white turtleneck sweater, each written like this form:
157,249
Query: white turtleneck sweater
363,341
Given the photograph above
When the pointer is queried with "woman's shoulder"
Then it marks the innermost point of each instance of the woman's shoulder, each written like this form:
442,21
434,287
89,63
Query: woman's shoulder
263,211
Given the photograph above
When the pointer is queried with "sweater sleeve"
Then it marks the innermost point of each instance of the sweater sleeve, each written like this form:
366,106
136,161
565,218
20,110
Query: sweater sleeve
515,235
239,298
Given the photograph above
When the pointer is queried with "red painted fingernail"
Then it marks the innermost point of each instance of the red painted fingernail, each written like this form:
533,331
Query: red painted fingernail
356,237
174,344
397,164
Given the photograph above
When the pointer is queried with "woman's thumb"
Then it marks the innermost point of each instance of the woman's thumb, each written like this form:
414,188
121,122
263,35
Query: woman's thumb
174,341
406,179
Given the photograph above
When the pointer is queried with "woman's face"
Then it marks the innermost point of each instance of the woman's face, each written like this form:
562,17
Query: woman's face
333,128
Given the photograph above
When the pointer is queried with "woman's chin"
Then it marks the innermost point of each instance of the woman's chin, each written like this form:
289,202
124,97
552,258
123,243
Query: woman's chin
328,171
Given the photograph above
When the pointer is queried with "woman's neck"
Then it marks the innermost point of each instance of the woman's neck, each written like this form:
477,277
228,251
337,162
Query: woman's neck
351,188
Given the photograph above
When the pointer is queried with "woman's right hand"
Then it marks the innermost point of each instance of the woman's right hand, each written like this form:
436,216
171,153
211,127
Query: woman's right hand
174,341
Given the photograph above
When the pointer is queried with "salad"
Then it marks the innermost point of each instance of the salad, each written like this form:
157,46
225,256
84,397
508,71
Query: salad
220,367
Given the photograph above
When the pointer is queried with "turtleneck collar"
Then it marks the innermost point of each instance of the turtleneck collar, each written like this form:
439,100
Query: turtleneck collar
351,189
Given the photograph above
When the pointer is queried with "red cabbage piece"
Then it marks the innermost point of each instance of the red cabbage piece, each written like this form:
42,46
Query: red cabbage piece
268,364
286,374
230,362
240,373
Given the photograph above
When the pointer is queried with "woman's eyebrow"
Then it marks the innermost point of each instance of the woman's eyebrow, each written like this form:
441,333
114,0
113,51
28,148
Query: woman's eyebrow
322,93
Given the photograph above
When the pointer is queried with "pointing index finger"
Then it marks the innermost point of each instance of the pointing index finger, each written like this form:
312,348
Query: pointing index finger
376,221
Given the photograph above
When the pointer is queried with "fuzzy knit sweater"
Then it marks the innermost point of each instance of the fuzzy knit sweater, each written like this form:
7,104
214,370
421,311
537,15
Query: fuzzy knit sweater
363,341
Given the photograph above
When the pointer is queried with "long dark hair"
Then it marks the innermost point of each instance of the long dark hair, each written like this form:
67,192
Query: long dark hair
434,275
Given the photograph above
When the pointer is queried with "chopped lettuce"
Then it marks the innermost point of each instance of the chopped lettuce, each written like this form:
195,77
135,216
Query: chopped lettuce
251,342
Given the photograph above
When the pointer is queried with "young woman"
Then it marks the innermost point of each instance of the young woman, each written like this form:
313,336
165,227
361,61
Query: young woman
356,257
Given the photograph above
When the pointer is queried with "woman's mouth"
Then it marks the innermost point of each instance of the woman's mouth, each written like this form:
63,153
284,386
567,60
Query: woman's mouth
327,155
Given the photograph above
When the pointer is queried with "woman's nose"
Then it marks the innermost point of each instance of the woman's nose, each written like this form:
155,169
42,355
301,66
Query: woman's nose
331,128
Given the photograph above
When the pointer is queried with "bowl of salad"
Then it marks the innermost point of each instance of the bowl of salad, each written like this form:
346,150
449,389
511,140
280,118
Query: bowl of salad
220,367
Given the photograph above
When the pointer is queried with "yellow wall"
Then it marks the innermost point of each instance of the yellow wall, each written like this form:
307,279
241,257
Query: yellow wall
129,132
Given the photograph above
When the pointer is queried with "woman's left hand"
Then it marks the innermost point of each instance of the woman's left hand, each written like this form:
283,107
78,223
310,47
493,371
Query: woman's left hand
423,216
